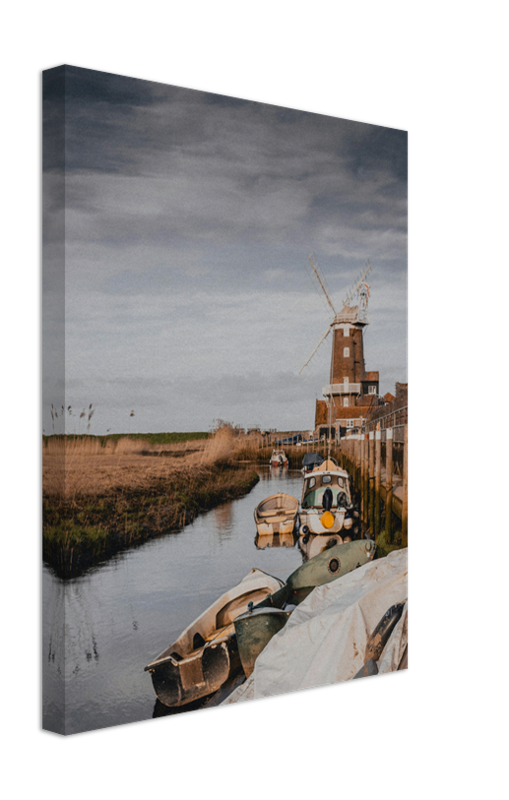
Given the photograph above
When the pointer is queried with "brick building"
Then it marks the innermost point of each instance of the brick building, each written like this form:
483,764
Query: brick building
351,389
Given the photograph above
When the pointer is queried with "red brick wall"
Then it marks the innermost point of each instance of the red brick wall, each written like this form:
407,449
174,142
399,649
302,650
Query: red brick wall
351,366
338,412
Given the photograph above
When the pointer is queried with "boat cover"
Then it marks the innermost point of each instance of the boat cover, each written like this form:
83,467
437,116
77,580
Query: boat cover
325,638
310,460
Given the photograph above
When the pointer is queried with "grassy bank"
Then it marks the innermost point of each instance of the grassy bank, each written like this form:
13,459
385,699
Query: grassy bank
100,499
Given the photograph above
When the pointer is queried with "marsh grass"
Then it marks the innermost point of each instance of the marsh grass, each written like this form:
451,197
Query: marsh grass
100,497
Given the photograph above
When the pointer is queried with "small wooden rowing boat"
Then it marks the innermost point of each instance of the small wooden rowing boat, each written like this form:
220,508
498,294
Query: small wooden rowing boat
205,654
276,514
255,628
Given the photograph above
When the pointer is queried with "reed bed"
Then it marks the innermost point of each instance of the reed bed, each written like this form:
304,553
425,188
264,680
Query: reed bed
102,497
104,494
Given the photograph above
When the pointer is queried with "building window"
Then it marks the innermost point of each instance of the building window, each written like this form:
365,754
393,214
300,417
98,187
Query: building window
371,389
346,401
346,352
349,423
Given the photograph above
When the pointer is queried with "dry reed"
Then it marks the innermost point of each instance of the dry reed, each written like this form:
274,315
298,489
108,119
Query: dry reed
99,499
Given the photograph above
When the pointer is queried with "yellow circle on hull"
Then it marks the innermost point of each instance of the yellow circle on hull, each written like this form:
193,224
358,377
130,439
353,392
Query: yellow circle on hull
327,519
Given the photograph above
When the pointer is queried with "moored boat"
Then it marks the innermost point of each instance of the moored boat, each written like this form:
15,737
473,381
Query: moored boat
276,514
326,505
205,654
278,459
310,461
256,627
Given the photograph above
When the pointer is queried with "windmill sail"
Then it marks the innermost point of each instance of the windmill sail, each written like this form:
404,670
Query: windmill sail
316,348
321,281
356,315
358,285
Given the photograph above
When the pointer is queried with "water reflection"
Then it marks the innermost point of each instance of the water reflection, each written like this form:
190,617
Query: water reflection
276,473
311,544
275,540
120,615
53,656
223,517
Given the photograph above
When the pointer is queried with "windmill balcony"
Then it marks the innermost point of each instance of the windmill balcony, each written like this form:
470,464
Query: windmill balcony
341,388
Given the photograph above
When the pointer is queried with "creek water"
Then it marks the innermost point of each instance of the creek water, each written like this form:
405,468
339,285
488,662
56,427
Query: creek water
120,615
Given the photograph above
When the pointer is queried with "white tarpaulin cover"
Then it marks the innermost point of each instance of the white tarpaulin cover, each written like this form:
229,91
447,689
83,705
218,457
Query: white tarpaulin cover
324,640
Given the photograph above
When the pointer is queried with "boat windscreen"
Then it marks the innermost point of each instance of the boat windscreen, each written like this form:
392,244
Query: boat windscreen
314,499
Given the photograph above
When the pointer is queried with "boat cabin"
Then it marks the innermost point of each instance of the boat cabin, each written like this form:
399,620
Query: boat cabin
317,483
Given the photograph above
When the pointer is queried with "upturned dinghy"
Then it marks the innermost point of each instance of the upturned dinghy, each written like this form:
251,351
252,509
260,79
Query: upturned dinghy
276,514
205,654
255,628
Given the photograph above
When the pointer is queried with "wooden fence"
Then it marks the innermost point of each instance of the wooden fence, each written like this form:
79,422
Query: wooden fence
377,460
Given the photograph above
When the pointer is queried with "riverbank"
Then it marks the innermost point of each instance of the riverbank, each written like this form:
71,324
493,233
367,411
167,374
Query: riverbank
102,495
100,498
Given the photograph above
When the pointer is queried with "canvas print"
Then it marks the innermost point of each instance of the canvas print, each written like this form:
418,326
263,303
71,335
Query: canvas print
225,412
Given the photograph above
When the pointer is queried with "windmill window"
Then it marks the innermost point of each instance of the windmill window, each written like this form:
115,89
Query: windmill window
346,352
346,401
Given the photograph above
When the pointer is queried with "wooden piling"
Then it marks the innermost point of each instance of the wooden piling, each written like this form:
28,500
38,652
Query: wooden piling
378,480
366,480
388,486
404,512
371,475
361,475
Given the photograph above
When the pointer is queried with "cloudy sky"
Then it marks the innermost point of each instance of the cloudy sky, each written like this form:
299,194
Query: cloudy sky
189,220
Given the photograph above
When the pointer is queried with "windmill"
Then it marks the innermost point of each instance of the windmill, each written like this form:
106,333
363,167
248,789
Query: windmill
347,371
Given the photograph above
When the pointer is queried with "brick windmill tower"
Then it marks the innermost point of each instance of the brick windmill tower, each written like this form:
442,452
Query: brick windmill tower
350,389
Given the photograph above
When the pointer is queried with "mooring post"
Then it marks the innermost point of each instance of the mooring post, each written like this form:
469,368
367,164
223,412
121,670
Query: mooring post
404,511
388,486
365,495
358,461
363,479
366,477
378,476
371,476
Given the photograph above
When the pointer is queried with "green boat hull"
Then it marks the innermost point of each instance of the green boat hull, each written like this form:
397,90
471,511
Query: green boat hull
255,628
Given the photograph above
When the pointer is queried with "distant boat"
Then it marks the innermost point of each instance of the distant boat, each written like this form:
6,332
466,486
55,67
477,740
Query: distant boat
256,627
326,505
278,459
276,514
205,654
